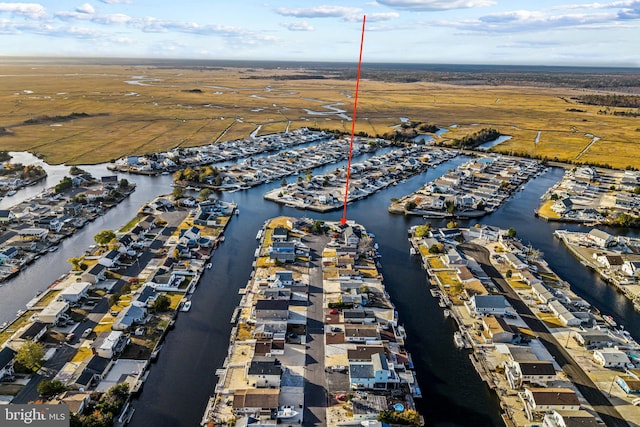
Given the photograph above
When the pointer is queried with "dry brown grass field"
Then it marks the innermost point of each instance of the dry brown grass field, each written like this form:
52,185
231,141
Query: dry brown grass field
189,107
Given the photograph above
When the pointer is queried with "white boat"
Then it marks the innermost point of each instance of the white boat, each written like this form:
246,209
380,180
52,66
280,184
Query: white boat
447,313
53,248
209,265
11,192
285,412
609,320
186,306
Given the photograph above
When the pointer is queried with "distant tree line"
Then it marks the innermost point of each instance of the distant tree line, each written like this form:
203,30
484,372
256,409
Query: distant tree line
613,100
476,138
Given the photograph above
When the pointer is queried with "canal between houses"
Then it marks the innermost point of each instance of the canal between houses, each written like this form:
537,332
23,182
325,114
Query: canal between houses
182,380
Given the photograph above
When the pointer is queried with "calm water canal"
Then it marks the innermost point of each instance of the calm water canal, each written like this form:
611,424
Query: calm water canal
180,383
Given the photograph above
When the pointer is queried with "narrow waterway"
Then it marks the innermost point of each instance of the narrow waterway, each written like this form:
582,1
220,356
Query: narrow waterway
182,380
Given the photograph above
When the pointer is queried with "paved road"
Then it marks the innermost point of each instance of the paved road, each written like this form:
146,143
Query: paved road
587,388
315,389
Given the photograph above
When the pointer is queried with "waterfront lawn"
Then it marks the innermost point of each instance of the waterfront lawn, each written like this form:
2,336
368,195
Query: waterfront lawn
434,261
13,327
129,226
264,262
47,298
546,211
244,332
280,221
447,277
174,298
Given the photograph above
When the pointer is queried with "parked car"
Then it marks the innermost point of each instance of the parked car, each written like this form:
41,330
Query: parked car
87,332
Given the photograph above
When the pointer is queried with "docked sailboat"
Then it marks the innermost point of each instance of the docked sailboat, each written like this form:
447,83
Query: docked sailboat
285,412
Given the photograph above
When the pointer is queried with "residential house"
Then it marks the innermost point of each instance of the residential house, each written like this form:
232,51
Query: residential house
361,333
631,268
264,372
109,181
542,293
350,236
566,317
282,251
34,332
266,310
580,418
255,401
190,236
611,358
563,205
76,401
7,356
537,372
488,304
72,209
94,194
146,297
94,274
110,344
53,312
279,234
6,216
600,238
9,253
593,338
128,317
358,315
363,353
93,372
538,401
497,330
376,374
75,292
515,262
283,278
110,258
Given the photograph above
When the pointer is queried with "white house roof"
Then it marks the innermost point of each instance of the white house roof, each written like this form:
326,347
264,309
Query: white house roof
111,340
610,355
55,308
75,288
599,234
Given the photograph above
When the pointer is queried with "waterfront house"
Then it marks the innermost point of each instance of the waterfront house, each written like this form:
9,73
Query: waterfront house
279,234
109,344
282,251
515,262
72,208
53,312
94,274
611,358
566,317
34,332
609,261
255,401
496,330
593,338
128,371
94,194
190,237
488,304
363,353
269,310
358,315
128,317
375,374
350,237
76,401
109,181
631,268
110,258
361,333
9,253
146,297
93,372
580,418
75,292
6,216
264,372
538,401
7,356
562,205
600,238
33,233
282,278
536,372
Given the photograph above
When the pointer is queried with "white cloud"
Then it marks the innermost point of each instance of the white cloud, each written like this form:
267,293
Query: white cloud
85,8
27,10
325,11
297,26
378,17
435,5
115,1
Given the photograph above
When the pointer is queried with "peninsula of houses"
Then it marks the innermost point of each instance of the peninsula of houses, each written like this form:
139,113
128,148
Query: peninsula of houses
100,326
36,226
551,359
323,193
615,258
594,196
180,158
474,189
337,315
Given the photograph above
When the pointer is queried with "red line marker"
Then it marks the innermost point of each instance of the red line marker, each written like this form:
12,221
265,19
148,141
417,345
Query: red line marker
343,220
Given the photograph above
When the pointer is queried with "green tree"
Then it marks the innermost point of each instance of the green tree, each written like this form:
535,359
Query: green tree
511,232
410,205
31,356
436,248
162,303
450,206
177,192
75,262
309,175
318,227
50,388
113,299
104,237
63,185
508,274
283,183
452,224
205,193
123,183
423,230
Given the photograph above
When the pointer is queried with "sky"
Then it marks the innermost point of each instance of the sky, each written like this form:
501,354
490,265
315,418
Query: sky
519,32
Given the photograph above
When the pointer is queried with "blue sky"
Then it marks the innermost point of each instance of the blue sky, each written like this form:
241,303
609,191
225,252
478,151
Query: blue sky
538,32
